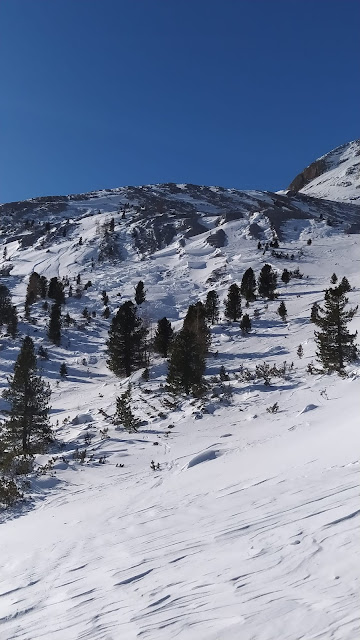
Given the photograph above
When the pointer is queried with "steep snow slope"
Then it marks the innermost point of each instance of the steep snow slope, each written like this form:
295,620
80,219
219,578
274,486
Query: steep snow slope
334,176
248,529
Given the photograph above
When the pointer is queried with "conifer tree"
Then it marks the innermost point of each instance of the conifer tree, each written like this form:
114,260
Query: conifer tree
335,345
12,321
33,291
195,321
334,278
63,370
54,329
56,291
27,430
314,312
124,415
285,276
5,304
282,311
140,293
127,341
233,303
245,323
300,351
163,337
267,282
248,285
212,307
187,364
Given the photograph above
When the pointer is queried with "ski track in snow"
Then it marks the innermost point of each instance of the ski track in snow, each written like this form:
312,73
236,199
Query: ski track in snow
250,528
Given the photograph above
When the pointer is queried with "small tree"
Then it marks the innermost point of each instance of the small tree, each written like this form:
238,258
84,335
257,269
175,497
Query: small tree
163,338
248,285
300,351
267,282
54,329
314,314
282,311
124,415
27,429
334,278
56,291
140,293
224,377
233,303
245,323
187,364
335,345
63,370
212,307
5,304
285,276
12,321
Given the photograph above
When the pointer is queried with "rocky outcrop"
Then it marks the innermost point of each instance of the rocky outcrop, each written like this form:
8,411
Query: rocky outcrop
314,170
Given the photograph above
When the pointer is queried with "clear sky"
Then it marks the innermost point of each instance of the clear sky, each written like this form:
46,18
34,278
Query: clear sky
238,93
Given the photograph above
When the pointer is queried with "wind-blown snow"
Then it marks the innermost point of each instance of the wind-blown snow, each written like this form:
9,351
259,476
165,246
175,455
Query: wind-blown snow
250,527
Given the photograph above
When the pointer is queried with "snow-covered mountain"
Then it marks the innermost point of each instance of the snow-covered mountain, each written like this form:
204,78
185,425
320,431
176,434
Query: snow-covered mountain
248,528
334,176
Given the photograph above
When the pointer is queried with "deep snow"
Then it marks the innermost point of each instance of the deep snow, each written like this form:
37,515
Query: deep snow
248,530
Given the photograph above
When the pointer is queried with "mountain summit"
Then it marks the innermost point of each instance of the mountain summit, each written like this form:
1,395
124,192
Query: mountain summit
334,176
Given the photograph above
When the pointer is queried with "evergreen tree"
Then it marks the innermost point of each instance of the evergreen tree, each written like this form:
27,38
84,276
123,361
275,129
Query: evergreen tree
163,337
27,429
248,285
105,298
63,370
300,351
33,291
12,321
245,323
212,307
334,278
314,312
5,304
335,345
56,291
345,285
285,276
127,341
124,414
195,321
233,303
282,311
43,286
54,329
140,293
187,364
267,282
106,313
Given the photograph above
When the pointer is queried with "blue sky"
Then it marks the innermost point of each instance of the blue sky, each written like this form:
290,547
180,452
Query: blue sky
238,93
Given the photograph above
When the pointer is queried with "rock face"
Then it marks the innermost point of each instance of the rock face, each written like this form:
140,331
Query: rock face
314,170
334,176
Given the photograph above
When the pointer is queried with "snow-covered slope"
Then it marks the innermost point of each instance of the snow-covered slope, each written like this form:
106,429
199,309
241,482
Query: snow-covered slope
334,176
249,527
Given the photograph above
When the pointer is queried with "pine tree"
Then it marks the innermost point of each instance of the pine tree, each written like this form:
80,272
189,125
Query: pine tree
335,345
282,311
267,282
187,364
245,323
164,335
124,415
33,291
233,303
334,278
195,321
54,329
285,276
248,285
63,370
212,307
127,341
300,351
56,291
5,304
27,429
140,293
12,321
43,286
314,312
